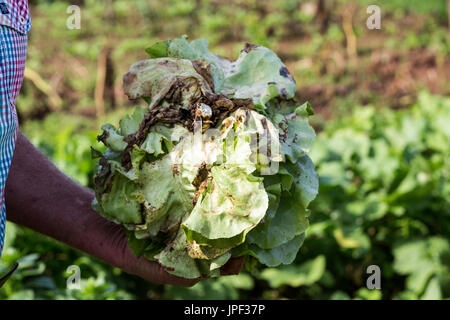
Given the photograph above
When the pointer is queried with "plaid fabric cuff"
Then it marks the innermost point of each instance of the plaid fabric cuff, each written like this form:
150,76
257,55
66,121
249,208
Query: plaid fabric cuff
13,50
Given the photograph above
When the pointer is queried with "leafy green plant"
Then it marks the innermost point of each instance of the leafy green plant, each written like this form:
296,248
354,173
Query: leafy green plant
215,167
384,190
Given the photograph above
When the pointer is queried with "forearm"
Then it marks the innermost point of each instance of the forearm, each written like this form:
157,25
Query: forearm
40,197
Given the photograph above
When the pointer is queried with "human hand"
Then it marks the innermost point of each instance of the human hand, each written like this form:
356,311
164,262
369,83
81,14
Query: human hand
148,270
154,272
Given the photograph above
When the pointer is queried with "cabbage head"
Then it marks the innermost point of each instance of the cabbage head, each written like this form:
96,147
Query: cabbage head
216,166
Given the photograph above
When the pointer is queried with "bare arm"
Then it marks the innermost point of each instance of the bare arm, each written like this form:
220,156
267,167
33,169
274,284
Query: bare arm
40,197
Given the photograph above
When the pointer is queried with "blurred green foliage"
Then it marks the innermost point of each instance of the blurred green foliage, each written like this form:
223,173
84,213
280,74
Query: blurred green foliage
384,199
384,174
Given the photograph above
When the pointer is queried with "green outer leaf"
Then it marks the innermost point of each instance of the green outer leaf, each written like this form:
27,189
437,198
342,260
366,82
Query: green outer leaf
176,259
260,75
296,135
138,246
274,194
289,221
284,254
300,137
159,49
120,204
305,110
114,140
130,123
306,180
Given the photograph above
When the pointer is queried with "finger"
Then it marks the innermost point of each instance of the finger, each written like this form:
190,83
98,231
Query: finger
151,270
233,266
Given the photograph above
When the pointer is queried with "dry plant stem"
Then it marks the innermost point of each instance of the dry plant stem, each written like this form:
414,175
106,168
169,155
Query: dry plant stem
100,83
54,99
347,26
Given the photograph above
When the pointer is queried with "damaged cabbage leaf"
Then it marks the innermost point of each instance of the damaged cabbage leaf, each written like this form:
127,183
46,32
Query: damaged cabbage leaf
120,203
234,201
196,50
306,180
215,167
260,75
176,259
296,135
172,79
166,197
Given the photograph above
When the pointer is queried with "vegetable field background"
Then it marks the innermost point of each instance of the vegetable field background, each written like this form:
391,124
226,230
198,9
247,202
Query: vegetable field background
382,112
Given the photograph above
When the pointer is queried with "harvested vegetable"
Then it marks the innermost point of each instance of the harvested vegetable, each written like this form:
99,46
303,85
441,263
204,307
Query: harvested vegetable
216,166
